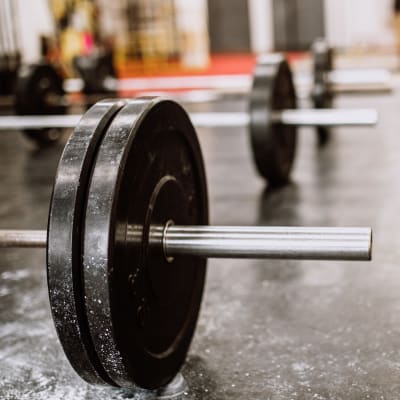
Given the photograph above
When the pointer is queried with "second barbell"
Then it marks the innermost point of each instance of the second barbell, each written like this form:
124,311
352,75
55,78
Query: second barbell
291,117
272,119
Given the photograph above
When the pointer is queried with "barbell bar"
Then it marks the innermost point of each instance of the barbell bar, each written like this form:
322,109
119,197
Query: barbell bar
128,237
40,90
314,243
272,119
295,117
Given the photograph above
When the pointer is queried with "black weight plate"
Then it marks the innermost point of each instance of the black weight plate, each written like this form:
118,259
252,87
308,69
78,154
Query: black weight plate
322,93
142,310
273,144
39,91
8,78
64,249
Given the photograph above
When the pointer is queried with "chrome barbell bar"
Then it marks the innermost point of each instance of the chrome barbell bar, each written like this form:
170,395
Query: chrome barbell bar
301,243
303,117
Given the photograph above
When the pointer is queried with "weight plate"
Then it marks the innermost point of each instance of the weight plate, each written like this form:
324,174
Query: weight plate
64,249
142,310
39,91
322,93
273,144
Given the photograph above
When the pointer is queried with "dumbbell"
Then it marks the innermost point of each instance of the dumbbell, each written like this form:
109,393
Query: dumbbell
128,238
329,82
272,119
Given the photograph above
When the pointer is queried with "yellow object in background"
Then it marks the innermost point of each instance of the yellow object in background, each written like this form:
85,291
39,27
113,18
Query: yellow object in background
58,8
77,28
149,35
71,45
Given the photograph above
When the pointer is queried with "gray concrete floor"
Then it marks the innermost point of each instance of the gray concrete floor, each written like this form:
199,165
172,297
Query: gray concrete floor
268,329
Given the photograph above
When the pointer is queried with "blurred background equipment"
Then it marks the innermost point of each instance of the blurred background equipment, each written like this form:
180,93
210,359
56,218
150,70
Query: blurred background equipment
156,37
278,328
146,34
10,51
271,120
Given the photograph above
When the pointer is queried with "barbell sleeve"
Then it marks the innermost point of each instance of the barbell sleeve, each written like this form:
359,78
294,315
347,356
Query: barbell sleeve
269,242
238,241
303,117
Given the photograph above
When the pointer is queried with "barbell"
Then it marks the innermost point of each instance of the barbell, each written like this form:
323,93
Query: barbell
328,82
98,75
272,119
338,81
41,90
291,117
128,237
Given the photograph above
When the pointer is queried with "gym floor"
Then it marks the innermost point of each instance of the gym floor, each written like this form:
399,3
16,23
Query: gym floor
268,329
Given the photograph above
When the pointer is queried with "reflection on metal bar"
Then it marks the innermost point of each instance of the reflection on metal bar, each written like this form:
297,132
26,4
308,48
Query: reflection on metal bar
267,242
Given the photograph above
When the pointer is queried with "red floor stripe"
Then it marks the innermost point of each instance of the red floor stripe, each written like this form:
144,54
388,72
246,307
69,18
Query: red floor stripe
220,64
